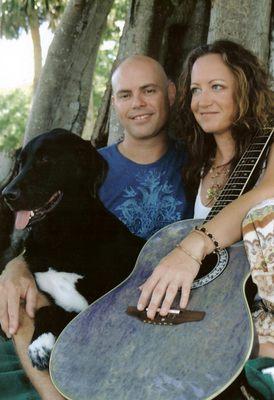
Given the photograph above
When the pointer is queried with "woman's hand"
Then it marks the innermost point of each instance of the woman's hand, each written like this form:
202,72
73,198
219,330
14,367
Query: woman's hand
16,284
175,271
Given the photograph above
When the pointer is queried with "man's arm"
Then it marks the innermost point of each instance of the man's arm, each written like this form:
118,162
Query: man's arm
40,379
16,285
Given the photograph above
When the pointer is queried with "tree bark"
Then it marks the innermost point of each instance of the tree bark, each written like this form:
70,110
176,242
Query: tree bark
37,50
247,23
89,122
63,91
6,163
184,32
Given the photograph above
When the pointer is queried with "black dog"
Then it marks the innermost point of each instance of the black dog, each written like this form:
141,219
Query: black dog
76,249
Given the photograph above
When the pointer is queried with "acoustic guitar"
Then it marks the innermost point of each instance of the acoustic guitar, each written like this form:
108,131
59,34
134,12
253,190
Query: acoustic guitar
110,351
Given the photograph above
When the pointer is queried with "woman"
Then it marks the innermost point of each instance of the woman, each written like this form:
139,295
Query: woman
224,99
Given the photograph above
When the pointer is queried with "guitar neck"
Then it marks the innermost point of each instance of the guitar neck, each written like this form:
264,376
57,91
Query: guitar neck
243,171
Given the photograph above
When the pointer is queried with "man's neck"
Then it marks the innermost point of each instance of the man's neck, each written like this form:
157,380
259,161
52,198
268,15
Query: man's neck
145,151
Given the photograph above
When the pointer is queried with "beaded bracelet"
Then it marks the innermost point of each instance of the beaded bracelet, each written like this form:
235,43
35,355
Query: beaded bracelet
210,236
180,247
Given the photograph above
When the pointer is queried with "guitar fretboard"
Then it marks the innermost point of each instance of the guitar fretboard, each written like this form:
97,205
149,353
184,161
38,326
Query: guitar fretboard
243,171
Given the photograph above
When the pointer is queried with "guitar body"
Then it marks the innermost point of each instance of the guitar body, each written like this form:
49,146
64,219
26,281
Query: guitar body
105,354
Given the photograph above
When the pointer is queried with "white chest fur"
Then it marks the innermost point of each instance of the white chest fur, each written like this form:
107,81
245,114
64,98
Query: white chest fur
61,286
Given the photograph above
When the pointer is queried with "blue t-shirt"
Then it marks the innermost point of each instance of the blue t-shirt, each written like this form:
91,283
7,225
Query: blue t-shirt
145,197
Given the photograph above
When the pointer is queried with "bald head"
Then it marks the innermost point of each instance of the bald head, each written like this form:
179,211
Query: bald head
139,62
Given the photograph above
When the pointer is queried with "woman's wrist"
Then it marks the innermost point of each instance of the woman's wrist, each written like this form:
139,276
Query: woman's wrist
180,247
196,245
202,230
209,246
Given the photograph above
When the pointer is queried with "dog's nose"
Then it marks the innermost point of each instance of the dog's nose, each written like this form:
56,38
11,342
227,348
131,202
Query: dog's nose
11,194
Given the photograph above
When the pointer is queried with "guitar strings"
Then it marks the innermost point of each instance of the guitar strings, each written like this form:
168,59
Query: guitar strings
241,174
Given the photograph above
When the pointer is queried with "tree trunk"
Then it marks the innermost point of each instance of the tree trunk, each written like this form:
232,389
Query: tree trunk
89,122
247,23
184,32
63,91
37,50
6,163
154,28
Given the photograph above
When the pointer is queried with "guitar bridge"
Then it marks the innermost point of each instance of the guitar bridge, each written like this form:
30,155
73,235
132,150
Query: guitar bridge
174,317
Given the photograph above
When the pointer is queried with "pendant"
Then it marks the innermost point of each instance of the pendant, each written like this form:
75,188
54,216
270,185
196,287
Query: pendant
213,192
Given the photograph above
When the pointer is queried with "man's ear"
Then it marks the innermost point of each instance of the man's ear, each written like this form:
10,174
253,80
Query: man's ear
171,92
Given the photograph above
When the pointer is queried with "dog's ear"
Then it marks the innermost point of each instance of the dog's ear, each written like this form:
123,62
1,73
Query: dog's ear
99,168
95,165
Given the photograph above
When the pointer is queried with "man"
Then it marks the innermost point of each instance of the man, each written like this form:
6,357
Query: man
143,188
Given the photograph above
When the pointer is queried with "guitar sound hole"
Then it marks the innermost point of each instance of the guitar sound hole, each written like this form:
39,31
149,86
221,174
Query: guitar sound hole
213,265
208,265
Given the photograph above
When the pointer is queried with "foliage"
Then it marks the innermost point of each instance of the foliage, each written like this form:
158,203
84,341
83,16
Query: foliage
14,109
108,50
16,15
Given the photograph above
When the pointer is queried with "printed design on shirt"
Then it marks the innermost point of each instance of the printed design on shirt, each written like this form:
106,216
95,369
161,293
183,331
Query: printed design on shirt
149,206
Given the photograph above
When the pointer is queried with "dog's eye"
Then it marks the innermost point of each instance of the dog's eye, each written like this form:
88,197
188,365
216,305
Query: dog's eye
43,160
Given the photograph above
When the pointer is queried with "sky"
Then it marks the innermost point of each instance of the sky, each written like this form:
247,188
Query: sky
16,69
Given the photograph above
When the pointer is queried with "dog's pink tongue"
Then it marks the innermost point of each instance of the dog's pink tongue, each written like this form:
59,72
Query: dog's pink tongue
22,219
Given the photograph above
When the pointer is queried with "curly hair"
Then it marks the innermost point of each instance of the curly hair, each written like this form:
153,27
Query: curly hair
254,100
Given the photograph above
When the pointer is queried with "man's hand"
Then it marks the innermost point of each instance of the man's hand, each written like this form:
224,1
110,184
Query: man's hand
16,284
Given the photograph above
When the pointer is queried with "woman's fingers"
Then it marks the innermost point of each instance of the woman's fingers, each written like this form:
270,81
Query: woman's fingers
147,289
171,293
186,287
156,298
